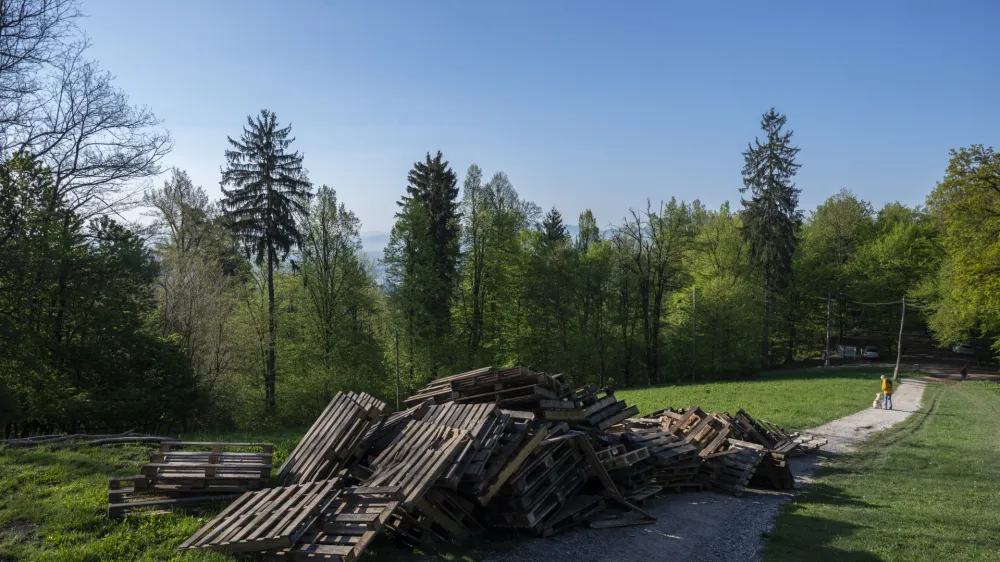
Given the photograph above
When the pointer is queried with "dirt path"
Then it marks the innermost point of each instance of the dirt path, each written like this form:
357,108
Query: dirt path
705,526
848,430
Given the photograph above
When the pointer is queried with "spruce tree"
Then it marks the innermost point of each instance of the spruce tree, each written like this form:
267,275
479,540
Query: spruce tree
429,266
553,228
771,218
268,192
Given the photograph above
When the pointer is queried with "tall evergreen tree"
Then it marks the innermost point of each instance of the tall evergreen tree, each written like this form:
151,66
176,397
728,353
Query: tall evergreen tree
771,218
423,256
269,191
553,228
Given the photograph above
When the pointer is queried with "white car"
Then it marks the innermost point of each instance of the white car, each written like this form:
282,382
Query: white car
963,349
871,352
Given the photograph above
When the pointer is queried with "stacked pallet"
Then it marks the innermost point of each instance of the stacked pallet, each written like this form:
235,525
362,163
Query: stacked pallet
597,409
190,475
334,440
673,461
311,521
731,470
516,388
505,448
535,494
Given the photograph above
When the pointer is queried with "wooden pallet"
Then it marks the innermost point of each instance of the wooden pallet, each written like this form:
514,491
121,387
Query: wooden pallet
485,424
333,440
576,510
267,519
774,472
345,526
805,444
416,459
124,498
731,470
198,466
378,436
617,457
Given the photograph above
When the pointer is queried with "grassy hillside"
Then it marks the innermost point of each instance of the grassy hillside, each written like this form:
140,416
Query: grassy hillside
924,490
794,400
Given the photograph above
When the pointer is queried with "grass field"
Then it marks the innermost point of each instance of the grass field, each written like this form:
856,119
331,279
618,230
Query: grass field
794,400
52,503
927,489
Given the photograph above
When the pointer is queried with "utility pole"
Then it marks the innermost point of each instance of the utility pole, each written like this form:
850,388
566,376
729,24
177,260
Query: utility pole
396,333
826,360
694,328
899,344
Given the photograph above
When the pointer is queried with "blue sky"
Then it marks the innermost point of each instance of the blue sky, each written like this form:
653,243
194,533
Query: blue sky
582,103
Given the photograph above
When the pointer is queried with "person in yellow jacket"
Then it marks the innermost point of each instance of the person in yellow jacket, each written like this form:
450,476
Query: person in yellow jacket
887,392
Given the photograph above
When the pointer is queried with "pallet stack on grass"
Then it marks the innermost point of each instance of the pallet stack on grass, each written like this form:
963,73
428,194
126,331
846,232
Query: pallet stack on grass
491,448
189,475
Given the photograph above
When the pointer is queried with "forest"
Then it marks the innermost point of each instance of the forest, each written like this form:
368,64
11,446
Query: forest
252,310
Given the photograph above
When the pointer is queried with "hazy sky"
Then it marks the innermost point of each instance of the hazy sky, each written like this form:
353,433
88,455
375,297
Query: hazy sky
582,103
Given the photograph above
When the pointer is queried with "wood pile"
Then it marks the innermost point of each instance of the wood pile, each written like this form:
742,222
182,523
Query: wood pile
333,440
491,448
516,388
184,474
592,408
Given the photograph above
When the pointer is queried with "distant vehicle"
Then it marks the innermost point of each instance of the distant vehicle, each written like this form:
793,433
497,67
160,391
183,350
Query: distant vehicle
963,349
871,352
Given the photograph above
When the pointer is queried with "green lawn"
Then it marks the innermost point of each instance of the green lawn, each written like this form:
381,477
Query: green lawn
927,489
795,400
52,503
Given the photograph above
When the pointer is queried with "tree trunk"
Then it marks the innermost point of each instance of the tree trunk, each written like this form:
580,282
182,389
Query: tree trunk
791,343
764,350
269,377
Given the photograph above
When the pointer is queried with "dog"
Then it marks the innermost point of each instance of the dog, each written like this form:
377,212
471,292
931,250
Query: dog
877,403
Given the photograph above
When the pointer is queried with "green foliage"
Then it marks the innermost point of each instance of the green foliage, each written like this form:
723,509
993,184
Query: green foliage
966,293
74,304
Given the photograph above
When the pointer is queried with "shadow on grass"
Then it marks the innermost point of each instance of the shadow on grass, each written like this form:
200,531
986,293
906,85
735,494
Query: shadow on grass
819,492
810,538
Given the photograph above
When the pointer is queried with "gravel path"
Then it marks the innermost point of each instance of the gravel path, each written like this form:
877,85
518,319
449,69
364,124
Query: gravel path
705,526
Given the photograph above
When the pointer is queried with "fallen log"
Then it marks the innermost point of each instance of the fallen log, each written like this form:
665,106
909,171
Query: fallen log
134,439
48,439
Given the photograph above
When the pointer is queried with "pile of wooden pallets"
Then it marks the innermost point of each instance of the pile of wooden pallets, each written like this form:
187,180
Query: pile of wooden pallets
183,474
515,388
505,448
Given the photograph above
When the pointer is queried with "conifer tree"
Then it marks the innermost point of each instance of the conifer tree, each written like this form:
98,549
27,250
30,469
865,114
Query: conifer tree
553,228
268,192
771,218
422,257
